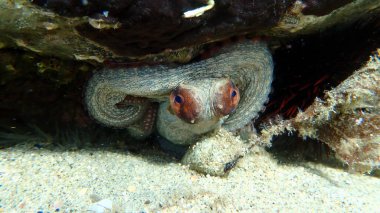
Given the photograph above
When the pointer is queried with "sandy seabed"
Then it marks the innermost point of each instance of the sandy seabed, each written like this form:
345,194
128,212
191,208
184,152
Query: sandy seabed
104,180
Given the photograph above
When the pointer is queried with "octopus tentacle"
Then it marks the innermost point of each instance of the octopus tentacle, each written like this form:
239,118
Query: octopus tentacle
150,118
145,126
113,108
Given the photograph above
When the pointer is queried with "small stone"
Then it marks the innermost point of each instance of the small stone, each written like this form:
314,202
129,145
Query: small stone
106,203
57,205
94,198
82,191
50,25
131,188
193,178
22,205
101,206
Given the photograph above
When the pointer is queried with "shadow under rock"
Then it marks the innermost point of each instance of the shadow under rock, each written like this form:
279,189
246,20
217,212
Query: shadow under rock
92,139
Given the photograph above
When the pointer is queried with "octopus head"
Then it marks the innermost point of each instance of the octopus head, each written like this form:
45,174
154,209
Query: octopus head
204,100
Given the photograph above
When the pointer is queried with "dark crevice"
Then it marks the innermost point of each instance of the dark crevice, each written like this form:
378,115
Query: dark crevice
307,66
304,69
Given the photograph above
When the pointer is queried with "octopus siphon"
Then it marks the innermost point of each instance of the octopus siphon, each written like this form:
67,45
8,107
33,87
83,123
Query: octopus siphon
183,103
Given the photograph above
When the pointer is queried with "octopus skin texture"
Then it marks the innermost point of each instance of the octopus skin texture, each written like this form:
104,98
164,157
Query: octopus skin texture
184,102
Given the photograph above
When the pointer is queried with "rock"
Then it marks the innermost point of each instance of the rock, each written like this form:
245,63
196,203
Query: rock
347,119
215,154
99,30
101,206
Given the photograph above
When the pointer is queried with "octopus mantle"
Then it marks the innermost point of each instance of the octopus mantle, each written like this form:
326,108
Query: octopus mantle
226,90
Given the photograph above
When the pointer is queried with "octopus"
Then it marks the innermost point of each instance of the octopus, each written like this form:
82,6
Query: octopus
183,103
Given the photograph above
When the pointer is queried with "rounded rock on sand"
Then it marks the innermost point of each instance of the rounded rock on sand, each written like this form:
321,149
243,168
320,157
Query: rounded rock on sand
215,154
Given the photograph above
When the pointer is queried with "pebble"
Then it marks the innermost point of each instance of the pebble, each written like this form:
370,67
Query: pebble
131,188
100,206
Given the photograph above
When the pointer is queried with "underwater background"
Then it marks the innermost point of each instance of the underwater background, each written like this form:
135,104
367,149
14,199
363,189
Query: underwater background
314,146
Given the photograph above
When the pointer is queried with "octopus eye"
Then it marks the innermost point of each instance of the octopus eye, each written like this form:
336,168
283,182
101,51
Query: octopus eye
184,105
233,94
178,99
227,99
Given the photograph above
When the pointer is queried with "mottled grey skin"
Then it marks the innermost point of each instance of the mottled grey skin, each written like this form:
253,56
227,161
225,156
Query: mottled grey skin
249,65
188,133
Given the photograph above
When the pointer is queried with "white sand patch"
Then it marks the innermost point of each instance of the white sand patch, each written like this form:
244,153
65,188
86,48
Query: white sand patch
33,180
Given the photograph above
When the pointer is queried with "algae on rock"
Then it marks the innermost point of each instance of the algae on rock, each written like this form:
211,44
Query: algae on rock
347,119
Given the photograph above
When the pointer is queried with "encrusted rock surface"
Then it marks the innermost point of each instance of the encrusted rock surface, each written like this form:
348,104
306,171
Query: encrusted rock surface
347,119
216,154
97,32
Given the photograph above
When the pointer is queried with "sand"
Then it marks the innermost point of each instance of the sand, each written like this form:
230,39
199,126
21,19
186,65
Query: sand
37,179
